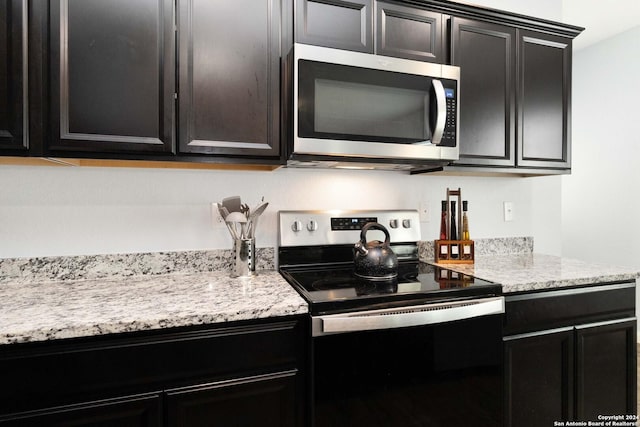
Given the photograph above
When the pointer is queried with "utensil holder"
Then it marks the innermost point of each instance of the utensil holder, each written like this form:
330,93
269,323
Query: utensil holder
245,257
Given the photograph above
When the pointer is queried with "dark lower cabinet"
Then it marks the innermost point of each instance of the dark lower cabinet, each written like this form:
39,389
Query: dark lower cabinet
606,369
250,373
265,401
135,411
229,74
539,378
112,76
13,81
578,363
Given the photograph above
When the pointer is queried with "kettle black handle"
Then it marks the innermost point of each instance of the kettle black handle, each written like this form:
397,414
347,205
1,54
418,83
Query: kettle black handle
374,226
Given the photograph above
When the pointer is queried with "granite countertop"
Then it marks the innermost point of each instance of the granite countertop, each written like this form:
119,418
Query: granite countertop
77,308
530,271
66,297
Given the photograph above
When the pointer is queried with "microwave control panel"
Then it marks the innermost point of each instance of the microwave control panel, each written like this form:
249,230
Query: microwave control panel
450,127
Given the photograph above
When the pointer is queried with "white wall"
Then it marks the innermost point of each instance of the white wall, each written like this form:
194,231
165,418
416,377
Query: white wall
601,198
70,211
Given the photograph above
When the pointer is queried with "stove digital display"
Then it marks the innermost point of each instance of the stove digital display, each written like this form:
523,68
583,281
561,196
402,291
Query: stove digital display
338,224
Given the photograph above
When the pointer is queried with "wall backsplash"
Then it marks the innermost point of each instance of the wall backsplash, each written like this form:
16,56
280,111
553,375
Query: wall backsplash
47,211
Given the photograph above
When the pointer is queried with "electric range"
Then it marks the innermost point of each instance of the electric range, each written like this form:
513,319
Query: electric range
412,350
316,257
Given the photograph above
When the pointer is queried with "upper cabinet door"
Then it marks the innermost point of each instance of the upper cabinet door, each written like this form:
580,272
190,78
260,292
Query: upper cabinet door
112,75
13,95
229,72
544,94
341,24
408,32
485,54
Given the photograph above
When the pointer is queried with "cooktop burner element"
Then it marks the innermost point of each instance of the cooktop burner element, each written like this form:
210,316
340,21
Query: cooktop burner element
316,257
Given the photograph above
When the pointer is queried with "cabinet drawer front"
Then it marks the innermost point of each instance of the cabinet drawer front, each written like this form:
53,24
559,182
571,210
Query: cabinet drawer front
555,309
264,400
138,411
61,373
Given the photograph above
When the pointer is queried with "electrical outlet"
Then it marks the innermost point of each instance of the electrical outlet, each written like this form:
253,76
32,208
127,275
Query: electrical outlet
216,219
425,212
508,211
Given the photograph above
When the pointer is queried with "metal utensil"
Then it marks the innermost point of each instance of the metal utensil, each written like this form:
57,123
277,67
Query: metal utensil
238,222
233,203
253,219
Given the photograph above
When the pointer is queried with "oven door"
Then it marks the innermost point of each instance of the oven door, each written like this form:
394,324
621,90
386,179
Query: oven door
355,104
437,374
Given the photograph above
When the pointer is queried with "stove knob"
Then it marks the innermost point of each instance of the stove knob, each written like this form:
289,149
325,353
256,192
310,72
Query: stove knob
406,223
393,223
312,225
296,226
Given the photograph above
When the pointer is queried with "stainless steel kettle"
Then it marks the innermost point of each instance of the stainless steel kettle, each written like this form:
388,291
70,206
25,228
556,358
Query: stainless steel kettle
374,260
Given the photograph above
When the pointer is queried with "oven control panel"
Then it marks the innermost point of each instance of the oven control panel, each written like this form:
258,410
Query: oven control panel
309,228
351,223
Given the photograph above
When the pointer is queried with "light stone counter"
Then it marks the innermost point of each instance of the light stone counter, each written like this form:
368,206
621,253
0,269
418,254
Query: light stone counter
78,308
529,271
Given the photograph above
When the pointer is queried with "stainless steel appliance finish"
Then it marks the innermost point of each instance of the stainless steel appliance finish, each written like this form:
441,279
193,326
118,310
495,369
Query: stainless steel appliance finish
371,110
313,228
406,316
424,349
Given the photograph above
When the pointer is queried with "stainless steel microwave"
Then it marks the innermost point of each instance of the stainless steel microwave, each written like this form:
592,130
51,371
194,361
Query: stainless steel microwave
352,109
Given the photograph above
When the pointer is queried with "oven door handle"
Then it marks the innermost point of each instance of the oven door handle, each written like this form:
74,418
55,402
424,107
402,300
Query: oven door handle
406,316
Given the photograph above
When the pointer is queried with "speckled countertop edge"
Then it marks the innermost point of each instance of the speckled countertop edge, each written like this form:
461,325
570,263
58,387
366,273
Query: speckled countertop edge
55,310
533,272
64,297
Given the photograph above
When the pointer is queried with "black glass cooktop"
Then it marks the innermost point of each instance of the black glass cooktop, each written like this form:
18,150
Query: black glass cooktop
334,287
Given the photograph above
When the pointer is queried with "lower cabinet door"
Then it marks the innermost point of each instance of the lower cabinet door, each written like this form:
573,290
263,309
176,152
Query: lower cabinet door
606,369
539,378
135,411
264,400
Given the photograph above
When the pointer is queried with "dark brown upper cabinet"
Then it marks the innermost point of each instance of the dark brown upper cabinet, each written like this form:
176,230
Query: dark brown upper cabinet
341,24
544,96
409,32
514,98
112,76
13,82
229,77
486,55
400,31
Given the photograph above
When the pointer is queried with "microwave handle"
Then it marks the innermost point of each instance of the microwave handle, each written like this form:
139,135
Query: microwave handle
441,118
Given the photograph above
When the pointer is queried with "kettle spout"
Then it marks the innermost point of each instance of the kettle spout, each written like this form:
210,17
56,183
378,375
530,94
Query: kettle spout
361,248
